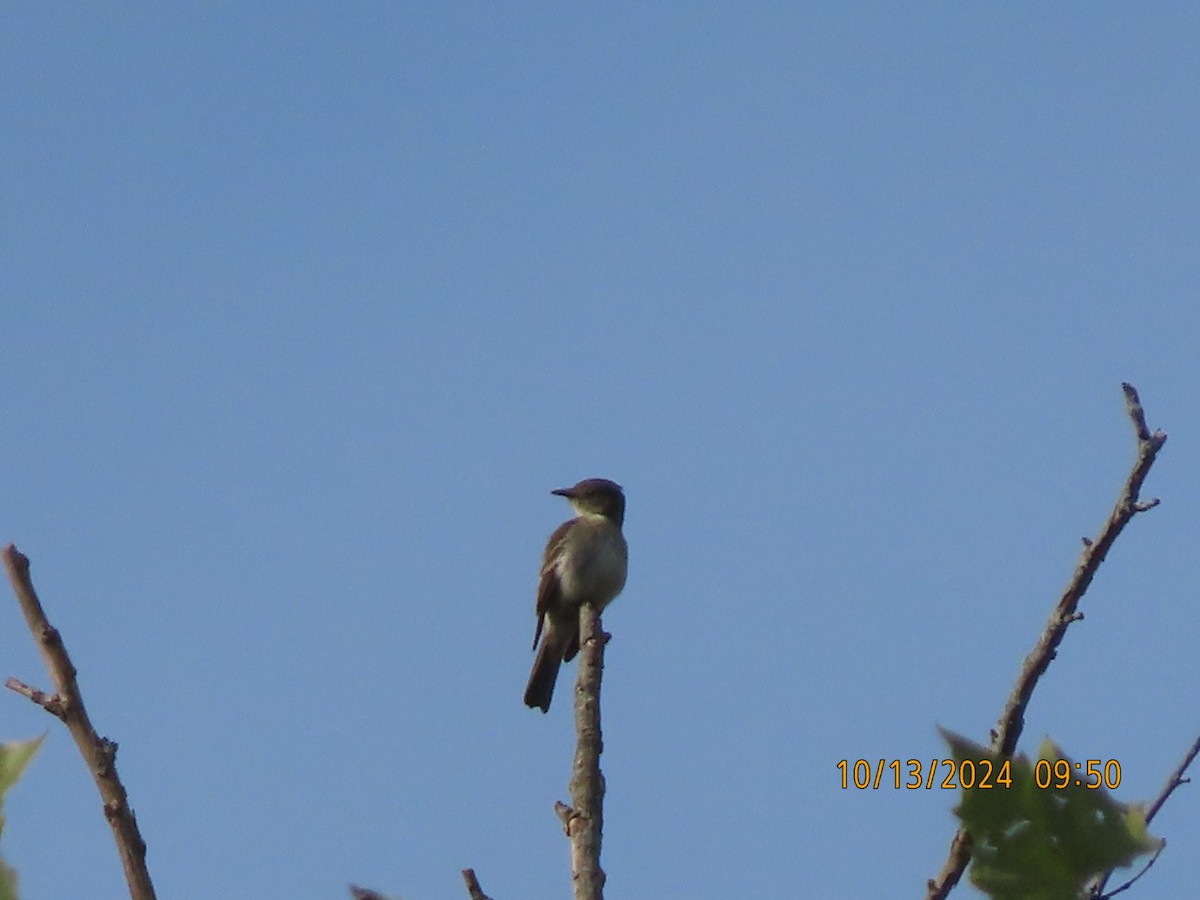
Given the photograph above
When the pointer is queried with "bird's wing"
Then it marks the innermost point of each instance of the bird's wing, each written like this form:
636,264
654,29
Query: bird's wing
549,589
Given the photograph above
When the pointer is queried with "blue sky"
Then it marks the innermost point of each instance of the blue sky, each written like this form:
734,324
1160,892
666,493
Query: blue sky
308,307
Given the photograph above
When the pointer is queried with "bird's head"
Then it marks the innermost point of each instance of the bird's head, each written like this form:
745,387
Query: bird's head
596,497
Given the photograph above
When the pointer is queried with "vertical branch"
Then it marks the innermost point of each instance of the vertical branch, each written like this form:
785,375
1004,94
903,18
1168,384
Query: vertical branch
584,820
67,704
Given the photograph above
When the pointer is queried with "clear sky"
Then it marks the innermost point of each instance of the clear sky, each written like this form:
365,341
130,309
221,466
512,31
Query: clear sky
307,307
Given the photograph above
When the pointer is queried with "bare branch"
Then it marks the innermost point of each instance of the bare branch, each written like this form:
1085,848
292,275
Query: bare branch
67,704
1098,890
51,703
473,888
584,823
1133,404
1012,721
1175,779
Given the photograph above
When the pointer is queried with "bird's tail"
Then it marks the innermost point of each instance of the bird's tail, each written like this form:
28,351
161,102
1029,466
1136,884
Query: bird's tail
540,688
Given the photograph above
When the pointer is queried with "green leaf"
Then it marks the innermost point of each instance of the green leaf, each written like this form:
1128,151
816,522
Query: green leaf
1045,843
14,757
8,882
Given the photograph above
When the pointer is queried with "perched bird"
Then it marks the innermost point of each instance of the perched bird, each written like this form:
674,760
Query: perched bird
585,562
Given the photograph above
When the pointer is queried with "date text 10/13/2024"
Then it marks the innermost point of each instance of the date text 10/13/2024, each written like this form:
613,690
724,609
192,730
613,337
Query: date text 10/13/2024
917,774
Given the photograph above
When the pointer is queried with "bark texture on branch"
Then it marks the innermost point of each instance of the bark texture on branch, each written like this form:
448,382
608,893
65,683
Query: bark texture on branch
66,703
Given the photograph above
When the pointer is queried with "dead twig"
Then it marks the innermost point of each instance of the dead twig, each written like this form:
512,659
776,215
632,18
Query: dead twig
473,888
66,703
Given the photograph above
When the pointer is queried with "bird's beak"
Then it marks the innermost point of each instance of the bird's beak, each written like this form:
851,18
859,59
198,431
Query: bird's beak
562,492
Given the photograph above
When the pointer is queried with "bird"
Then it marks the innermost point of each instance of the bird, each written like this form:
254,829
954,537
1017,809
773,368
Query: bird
585,561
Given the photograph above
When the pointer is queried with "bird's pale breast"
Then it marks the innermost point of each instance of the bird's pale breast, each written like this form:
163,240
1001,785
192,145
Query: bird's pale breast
594,568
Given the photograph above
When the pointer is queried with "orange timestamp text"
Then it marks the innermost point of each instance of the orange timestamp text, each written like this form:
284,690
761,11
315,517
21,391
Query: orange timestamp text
982,774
